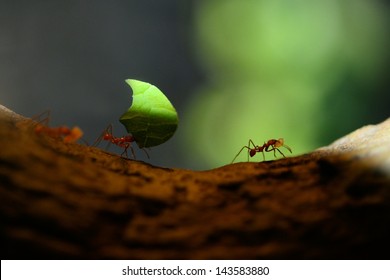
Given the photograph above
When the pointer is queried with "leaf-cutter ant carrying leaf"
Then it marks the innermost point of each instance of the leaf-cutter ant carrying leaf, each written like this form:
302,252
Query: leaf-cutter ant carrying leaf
123,142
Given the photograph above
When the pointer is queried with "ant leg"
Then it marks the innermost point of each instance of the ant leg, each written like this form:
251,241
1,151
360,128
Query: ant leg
288,148
126,146
249,143
279,152
280,143
41,121
145,153
107,130
99,139
274,150
268,149
132,151
42,118
240,153
260,149
125,152
277,149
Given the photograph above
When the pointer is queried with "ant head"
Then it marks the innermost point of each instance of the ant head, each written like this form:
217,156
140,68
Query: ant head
252,152
279,142
107,136
39,128
75,134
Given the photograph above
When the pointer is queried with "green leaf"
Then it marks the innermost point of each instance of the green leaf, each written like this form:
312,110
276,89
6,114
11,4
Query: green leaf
151,119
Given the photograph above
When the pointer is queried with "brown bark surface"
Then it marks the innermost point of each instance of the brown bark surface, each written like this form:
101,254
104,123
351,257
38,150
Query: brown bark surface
61,200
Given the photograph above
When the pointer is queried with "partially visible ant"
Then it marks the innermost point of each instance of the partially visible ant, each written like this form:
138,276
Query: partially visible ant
69,135
123,142
269,146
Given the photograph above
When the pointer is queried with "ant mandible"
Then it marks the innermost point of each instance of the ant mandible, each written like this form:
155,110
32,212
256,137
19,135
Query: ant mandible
123,142
69,135
269,146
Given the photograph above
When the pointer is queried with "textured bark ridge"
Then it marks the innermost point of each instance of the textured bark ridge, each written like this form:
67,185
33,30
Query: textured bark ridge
63,200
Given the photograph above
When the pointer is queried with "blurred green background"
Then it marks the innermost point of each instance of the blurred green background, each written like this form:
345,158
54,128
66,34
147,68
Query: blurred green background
307,71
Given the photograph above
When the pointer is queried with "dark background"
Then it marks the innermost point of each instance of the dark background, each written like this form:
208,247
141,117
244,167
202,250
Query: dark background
72,58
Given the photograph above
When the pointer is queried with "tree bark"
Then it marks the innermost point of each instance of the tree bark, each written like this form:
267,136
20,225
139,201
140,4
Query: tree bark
70,201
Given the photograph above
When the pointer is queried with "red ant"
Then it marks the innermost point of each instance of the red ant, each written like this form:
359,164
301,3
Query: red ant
64,132
269,146
123,142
